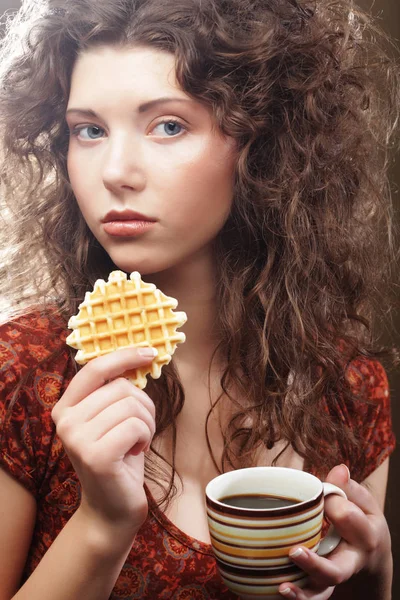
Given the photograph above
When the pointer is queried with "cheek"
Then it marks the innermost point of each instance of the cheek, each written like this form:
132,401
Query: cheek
204,192
73,174
72,166
80,183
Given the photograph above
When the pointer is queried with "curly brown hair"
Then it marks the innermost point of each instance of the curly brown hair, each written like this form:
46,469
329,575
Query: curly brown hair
310,92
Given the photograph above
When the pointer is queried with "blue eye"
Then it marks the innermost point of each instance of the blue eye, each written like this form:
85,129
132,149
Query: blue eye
171,128
97,130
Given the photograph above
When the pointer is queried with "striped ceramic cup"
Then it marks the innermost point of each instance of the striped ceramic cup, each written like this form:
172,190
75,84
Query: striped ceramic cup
251,545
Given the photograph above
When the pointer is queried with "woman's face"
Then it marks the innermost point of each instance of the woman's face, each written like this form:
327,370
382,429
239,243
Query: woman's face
141,149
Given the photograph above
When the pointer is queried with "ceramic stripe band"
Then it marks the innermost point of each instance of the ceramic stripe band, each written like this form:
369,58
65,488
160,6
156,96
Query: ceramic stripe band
218,525
232,570
288,537
231,551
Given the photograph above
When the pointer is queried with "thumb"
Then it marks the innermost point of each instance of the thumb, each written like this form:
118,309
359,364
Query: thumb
355,492
340,476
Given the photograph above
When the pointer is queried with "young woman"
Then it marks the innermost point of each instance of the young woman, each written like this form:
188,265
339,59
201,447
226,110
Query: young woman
253,135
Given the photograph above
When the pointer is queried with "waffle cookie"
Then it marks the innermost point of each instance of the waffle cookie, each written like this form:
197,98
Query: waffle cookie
125,312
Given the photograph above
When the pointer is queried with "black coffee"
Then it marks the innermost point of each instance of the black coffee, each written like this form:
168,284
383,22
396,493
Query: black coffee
258,501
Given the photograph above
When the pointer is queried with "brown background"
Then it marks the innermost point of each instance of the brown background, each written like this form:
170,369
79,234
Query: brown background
388,13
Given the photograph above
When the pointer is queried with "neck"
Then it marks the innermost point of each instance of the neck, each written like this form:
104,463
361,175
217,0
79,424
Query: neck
193,285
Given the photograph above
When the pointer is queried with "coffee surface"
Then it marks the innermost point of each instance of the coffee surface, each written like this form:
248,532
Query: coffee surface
263,501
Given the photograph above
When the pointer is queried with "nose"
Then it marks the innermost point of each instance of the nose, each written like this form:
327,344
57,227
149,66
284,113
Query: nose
123,164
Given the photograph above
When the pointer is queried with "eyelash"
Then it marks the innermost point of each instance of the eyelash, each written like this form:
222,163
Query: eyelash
76,130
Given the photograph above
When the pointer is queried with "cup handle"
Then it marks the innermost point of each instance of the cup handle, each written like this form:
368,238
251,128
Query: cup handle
332,538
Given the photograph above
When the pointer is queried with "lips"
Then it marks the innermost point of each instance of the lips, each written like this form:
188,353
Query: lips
126,215
127,223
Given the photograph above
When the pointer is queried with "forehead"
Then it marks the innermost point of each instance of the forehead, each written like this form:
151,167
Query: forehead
105,69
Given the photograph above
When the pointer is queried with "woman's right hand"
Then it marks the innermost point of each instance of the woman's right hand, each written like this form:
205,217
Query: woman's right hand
106,424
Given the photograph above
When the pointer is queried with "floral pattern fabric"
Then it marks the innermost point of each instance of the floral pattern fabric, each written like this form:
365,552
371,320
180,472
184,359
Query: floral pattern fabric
35,369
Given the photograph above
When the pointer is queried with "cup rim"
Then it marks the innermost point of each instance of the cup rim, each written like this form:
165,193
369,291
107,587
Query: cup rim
210,500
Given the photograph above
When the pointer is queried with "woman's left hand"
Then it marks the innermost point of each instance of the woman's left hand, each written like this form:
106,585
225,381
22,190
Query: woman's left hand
365,544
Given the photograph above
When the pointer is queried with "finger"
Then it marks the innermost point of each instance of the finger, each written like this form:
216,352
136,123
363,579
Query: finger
118,412
131,436
100,370
355,492
292,592
326,572
110,393
351,522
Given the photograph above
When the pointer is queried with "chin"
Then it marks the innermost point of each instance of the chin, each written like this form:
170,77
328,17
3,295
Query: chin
144,267
152,261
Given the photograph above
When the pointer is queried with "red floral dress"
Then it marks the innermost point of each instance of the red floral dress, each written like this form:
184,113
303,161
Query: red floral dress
164,562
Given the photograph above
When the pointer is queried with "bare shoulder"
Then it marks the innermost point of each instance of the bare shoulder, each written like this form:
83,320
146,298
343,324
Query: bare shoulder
17,520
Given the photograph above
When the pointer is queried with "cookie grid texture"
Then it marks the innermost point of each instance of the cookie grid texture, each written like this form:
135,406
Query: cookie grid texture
126,312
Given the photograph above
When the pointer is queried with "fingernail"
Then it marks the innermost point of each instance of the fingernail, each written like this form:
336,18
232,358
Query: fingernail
148,352
297,553
348,471
288,593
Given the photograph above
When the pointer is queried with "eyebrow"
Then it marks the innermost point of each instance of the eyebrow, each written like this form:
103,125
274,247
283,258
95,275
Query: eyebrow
142,108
